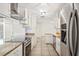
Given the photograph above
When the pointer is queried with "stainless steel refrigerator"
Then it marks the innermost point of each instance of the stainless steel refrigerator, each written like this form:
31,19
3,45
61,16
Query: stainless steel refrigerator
71,15
73,32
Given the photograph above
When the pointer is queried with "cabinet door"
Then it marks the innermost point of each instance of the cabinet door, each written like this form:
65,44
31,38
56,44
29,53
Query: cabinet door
16,52
19,51
58,45
54,41
2,37
8,29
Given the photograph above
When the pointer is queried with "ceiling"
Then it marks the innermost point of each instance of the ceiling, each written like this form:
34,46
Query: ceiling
51,19
52,10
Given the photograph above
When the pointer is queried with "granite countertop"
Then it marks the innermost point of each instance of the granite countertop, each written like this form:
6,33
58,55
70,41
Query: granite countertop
7,47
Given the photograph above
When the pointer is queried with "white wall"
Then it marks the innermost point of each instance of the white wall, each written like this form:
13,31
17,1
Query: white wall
47,25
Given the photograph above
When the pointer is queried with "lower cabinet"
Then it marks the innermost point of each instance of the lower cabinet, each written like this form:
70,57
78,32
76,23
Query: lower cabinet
64,49
16,52
58,46
54,41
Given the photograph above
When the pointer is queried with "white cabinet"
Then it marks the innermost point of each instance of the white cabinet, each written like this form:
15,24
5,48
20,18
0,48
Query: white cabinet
8,29
18,32
16,52
58,41
19,51
5,9
2,37
33,41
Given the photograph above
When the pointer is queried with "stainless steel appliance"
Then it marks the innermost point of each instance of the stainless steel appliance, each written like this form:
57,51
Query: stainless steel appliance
72,32
63,39
64,20
63,33
26,45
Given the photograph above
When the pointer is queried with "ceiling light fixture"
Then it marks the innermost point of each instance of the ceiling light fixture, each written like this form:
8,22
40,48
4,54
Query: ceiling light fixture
43,12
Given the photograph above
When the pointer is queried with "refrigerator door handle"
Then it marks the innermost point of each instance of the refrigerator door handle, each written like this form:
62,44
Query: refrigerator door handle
69,37
73,33
76,41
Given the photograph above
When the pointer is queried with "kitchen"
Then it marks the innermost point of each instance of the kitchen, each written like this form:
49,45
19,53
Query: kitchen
34,29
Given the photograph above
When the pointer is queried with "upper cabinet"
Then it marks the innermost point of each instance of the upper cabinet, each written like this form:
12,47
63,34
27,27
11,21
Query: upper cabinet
10,26
5,9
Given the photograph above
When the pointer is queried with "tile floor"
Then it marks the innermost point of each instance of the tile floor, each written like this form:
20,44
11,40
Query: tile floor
43,49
